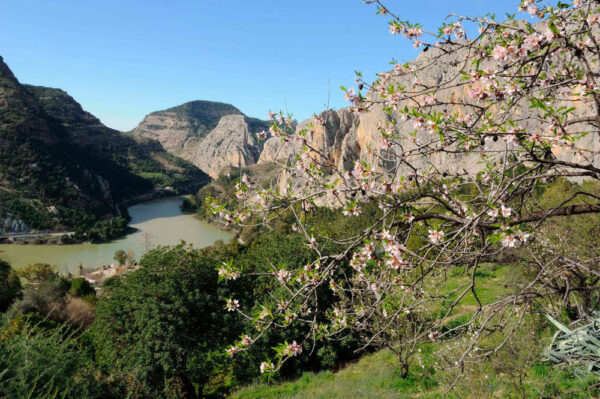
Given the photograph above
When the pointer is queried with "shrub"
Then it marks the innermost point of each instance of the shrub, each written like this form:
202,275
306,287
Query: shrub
10,286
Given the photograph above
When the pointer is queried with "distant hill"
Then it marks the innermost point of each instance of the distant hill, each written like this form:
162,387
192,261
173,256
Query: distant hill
59,164
213,136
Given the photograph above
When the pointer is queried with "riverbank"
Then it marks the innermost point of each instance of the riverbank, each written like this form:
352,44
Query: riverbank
157,222
48,237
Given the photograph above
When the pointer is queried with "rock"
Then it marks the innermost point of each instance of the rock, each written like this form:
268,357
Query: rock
230,144
213,136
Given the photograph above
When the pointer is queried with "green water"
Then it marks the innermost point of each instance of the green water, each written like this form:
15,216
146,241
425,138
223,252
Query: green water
161,219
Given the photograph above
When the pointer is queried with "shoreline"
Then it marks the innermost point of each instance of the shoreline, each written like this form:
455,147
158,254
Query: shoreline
52,238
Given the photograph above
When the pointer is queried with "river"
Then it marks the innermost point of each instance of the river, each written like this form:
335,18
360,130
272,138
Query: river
159,222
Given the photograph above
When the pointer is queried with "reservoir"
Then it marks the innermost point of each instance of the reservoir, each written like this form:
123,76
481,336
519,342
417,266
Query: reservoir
159,222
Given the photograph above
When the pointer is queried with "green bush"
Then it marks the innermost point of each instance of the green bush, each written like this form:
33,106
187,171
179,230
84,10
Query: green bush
80,287
10,286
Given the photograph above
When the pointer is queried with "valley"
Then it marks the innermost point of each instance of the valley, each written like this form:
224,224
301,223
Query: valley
157,222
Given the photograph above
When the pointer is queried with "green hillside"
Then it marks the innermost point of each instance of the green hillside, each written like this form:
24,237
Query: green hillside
61,168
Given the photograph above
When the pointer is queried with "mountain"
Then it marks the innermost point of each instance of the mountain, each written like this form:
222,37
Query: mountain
211,135
59,165
347,137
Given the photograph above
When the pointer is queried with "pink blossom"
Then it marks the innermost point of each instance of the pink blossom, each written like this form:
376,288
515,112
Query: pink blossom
246,340
294,349
549,35
232,351
436,236
283,275
531,42
508,240
264,367
505,211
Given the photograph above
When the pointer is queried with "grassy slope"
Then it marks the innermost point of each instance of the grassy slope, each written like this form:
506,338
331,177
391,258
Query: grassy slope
516,371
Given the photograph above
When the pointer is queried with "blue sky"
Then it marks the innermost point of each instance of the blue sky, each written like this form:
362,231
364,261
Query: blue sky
122,59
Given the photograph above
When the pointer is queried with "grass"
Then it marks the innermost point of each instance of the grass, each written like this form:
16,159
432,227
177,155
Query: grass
377,376
517,371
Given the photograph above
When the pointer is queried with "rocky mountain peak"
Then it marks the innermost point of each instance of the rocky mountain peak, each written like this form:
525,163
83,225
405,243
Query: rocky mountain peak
211,135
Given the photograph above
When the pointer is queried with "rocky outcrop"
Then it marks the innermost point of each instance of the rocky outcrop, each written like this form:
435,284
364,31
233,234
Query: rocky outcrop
10,224
346,138
229,144
213,136
181,128
326,138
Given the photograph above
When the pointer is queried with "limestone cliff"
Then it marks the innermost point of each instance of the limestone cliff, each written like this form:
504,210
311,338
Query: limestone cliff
211,135
346,137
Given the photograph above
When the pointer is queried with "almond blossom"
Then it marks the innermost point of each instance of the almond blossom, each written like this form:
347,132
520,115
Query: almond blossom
436,236
232,305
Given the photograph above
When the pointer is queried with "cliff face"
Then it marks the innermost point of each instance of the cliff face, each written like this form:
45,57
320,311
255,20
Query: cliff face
346,137
213,139
213,136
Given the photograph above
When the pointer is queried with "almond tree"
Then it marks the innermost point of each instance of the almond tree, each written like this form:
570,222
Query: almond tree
475,129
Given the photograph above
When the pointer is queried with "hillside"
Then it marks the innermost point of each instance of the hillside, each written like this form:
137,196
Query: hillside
211,135
60,166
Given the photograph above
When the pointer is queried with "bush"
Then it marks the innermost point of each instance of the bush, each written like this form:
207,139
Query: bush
10,286
39,362
80,287
46,299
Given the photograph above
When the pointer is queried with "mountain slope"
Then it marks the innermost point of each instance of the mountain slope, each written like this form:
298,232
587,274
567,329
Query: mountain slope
60,167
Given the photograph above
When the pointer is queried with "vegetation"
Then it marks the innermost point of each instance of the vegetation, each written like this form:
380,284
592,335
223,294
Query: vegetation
74,170
163,330
10,286
459,280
